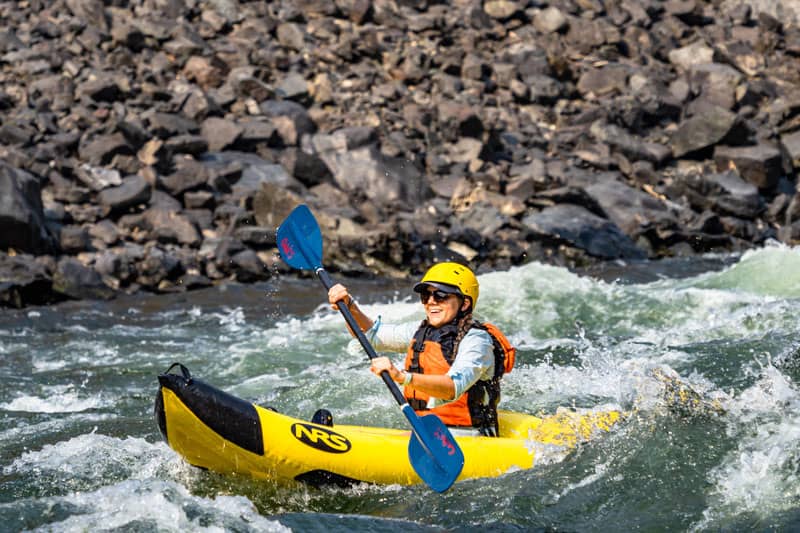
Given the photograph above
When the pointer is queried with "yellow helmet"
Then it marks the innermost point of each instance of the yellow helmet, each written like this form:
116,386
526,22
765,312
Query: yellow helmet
451,277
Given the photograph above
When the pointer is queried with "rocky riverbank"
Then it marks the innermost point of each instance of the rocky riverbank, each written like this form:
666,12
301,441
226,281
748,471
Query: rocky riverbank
155,144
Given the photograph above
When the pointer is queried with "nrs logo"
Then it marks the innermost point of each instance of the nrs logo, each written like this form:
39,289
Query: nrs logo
322,439
286,246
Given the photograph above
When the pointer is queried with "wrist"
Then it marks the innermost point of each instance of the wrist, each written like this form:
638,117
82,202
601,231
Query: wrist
407,376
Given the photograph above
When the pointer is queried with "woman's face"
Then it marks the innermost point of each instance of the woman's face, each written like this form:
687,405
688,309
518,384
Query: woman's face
442,311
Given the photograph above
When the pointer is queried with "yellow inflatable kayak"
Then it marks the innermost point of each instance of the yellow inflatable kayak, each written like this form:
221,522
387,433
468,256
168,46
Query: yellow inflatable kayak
214,430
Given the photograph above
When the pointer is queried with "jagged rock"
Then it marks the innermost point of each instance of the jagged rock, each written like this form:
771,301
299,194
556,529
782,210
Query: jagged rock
101,150
105,231
290,118
75,280
156,266
189,174
716,83
257,236
629,208
603,81
220,133
272,203
73,239
22,222
483,218
23,282
791,143
550,20
255,171
255,132
696,53
97,178
702,130
735,196
629,145
761,165
308,168
198,199
581,228
459,120
133,190
166,125
250,267
384,180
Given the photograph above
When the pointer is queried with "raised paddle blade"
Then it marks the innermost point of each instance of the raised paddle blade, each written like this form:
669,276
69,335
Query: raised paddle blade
433,452
300,240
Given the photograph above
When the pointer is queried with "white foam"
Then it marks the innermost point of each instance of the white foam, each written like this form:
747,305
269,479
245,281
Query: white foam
109,456
151,504
56,399
760,476
23,432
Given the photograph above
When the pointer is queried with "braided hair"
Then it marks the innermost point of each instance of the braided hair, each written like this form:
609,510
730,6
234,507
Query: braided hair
465,323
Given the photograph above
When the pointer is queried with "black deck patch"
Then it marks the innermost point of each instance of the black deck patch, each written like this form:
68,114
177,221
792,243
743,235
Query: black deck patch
232,418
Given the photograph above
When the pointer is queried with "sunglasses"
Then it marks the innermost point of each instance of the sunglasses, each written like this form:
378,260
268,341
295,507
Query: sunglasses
438,296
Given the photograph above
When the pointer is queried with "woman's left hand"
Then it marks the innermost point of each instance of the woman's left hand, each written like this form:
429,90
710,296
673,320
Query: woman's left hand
379,364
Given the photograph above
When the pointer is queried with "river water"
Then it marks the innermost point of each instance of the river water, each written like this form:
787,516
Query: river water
80,451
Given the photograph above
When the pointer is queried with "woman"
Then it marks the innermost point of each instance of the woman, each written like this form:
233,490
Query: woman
453,362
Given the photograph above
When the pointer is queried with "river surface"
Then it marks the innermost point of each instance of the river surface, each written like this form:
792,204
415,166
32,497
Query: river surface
705,354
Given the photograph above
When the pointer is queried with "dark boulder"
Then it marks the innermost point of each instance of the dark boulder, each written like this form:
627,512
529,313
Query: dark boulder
579,227
761,165
134,190
75,280
702,131
24,281
22,222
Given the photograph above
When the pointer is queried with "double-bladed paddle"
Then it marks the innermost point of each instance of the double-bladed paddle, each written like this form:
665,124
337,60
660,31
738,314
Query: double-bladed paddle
432,450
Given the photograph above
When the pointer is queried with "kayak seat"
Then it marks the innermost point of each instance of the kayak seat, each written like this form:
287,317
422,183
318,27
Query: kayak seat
323,417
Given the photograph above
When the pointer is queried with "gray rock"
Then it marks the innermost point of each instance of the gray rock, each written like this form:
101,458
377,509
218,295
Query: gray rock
133,190
630,208
75,280
290,118
702,130
550,20
384,180
101,149
256,171
23,281
791,143
761,165
189,174
735,196
22,222
73,239
220,133
585,230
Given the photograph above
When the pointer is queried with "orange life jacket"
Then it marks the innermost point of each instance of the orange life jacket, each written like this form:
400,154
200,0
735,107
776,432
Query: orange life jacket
432,352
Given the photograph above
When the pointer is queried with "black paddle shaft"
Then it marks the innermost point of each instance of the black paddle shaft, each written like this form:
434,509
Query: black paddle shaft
351,321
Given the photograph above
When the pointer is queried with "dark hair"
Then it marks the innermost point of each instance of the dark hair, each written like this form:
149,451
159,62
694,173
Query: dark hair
465,323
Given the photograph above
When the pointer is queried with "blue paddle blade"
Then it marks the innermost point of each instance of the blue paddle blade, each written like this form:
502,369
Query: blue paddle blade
433,452
300,240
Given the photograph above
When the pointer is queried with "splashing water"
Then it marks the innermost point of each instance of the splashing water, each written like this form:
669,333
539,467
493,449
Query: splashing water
706,366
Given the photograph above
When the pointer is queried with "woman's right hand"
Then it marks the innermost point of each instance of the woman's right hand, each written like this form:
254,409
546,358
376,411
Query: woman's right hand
339,293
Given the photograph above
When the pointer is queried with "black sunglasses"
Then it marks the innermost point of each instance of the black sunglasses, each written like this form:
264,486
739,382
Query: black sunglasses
438,296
